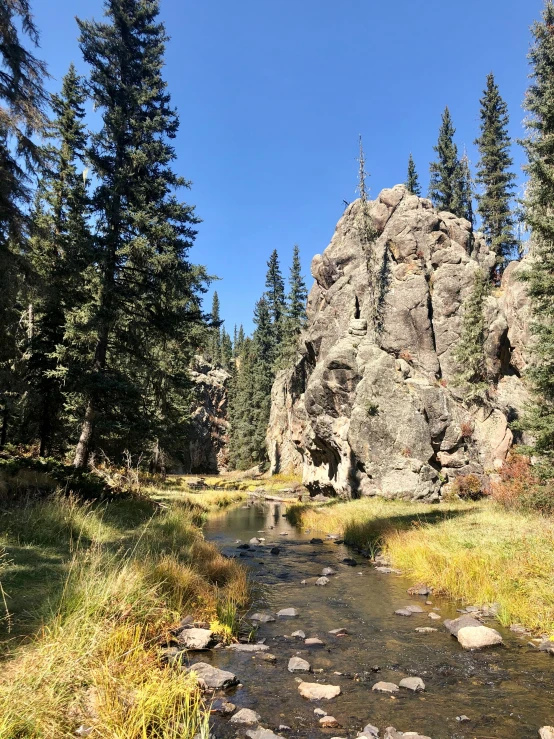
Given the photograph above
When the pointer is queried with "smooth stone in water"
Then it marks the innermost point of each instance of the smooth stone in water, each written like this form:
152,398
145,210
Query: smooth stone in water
319,712
275,550
462,718
263,618
391,733
287,613
388,570
412,683
338,632
245,716
214,678
328,722
313,642
383,687
434,616
195,638
370,731
328,571
254,542
322,581
425,629
454,625
403,612
478,637
315,540
317,691
262,734
269,658
547,732
248,647
297,664
298,634
415,609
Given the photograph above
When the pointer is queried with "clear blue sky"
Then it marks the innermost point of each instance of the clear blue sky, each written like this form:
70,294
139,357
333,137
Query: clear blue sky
272,97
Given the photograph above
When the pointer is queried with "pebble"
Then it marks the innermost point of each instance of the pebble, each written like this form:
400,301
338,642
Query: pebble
297,664
315,540
263,618
261,734
287,613
275,550
370,731
349,561
270,658
298,634
383,687
338,632
412,683
326,571
434,616
245,716
313,641
248,647
388,570
425,629
415,609
329,722
284,727
317,691
322,581
462,718
319,712
403,612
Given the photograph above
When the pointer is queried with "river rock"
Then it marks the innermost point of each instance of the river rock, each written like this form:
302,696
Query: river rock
195,638
478,637
223,706
425,629
370,731
275,550
262,734
298,634
319,712
287,613
391,733
547,645
313,641
383,687
434,616
454,625
269,658
248,647
245,716
328,722
387,570
419,590
317,691
412,683
263,618
297,664
326,571
315,540
214,678
338,632
403,612
415,609
254,542
547,732
322,581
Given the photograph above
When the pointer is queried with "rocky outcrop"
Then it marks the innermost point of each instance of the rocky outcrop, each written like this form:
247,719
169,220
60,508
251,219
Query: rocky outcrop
373,405
207,450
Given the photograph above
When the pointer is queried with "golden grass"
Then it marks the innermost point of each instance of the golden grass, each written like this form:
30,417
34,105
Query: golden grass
125,577
477,552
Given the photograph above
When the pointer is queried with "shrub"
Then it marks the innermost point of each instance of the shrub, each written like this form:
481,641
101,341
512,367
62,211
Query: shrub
521,488
468,486
372,409
467,429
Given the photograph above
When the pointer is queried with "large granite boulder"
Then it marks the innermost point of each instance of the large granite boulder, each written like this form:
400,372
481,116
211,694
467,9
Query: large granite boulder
207,449
373,405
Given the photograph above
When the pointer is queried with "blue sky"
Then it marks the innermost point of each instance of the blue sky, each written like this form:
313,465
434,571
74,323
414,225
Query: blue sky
273,95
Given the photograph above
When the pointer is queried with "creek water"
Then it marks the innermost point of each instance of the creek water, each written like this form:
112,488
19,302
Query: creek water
506,692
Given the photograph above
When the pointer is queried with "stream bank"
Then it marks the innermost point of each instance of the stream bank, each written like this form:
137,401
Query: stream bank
503,692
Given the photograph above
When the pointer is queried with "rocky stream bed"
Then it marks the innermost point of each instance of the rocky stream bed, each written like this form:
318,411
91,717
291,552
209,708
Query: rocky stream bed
342,649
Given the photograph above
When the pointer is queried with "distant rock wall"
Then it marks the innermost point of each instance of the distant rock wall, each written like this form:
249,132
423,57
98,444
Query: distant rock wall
381,413
207,450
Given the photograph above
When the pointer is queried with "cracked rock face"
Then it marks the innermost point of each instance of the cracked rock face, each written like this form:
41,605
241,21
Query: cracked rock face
372,406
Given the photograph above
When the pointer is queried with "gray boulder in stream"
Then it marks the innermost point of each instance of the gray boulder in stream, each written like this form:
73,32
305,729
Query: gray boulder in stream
391,733
212,677
372,404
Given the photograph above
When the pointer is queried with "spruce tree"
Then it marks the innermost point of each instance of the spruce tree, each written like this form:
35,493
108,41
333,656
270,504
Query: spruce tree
146,292
214,338
295,317
412,181
470,349
60,254
464,190
275,292
539,147
494,174
225,350
444,186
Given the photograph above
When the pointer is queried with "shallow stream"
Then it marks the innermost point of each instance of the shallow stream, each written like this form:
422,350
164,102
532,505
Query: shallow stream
506,692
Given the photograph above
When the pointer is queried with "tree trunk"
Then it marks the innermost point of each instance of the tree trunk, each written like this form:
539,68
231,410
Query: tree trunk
4,431
82,452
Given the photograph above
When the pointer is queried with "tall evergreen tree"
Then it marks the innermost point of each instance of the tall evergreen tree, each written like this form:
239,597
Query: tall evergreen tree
444,186
214,337
470,349
464,190
147,292
494,174
412,181
60,253
22,122
295,317
539,147
275,290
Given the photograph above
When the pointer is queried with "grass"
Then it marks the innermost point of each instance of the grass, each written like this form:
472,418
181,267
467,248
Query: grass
479,553
91,592
236,481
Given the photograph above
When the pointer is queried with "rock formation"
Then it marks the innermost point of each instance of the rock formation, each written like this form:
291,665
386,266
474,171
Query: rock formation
207,451
373,405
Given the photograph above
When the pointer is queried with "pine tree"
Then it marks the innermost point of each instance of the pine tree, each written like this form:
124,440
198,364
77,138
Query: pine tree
444,186
146,293
494,174
470,349
60,253
226,350
275,293
464,190
214,338
22,122
412,181
539,147
295,317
